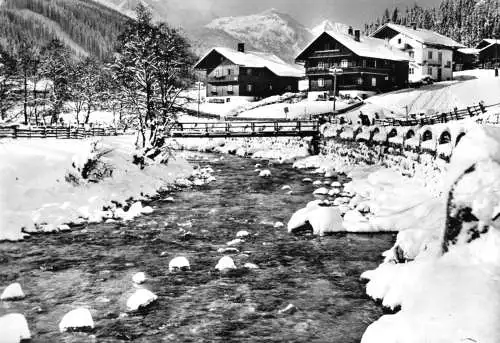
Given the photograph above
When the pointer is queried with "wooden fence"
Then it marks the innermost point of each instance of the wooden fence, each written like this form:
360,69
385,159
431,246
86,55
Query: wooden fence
55,132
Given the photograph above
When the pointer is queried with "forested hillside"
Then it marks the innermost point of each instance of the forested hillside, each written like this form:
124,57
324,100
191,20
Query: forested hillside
466,21
83,25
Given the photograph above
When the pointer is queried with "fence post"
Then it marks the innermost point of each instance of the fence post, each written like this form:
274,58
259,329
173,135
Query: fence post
14,134
68,132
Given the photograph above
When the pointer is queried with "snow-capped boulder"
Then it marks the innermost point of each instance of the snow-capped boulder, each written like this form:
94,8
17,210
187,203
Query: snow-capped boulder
14,328
77,320
307,180
336,184
236,241
278,225
333,192
12,292
321,191
341,201
265,173
140,299
251,266
225,263
286,188
242,234
290,309
325,219
317,183
63,228
178,263
298,219
228,251
139,278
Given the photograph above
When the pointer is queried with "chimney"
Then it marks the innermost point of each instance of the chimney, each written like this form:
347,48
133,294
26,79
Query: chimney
350,32
414,26
356,35
241,47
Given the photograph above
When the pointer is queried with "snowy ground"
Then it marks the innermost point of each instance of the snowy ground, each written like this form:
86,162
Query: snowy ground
36,196
468,88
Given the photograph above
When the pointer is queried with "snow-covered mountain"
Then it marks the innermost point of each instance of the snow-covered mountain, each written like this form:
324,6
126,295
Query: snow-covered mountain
327,25
269,31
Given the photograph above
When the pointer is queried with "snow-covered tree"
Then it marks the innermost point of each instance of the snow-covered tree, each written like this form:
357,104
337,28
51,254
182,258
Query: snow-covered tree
151,66
7,84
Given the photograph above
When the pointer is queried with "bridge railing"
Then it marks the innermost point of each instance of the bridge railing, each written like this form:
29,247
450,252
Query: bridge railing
245,128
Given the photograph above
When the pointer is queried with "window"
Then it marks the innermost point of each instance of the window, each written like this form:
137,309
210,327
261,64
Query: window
270,87
289,87
360,80
429,71
430,55
249,88
440,57
229,71
321,65
230,88
411,54
214,90
344,63
375,64
448,64
374,82
399,41
217,72
249,71
321,83
412,71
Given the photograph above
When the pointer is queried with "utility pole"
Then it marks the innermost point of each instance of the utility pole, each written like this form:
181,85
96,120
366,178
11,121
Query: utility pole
334,71
496,58
199,97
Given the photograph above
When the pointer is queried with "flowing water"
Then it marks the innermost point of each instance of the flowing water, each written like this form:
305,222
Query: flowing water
93,267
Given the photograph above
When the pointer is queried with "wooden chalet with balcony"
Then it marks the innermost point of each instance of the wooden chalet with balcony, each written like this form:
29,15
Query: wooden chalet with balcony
361,63
488,53
248,74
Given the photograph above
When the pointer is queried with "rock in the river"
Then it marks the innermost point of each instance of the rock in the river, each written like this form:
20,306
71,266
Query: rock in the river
333,192
225,263
290,309
317,183
336,184
258,165
77,320
12,292
298,219
341,201
228,251
286,188
321,191
140,299
63,227
278,225
169,199
236,241
251,266
325,219
307,180
265,173
242,234
179,263
14,328
139,278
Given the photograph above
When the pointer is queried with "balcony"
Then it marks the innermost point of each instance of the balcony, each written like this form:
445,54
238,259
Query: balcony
223,79
321,71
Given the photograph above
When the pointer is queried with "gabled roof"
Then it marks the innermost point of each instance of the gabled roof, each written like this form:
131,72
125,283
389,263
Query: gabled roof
254,59
469,51
366,47
486,43
420,35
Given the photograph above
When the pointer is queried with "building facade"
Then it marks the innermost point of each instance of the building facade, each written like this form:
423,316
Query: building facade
430,53
361,64
247,74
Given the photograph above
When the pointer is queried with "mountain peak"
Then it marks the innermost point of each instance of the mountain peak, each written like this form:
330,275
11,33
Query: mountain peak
327,25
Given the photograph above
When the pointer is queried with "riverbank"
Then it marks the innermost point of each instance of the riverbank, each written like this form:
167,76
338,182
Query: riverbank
47,184
441,295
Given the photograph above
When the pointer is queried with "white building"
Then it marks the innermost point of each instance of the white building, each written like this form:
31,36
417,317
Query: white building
431,54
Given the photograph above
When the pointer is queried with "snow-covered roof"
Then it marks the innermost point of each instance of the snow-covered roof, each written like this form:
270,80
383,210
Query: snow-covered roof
421,35
255,59
366,47
486,43
469,51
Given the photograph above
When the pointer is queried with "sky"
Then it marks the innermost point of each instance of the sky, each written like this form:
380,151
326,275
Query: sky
309,13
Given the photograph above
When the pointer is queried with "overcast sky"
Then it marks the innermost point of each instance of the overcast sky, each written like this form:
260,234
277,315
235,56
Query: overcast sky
308,12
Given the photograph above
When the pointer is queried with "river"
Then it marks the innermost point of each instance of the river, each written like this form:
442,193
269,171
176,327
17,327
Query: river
93,267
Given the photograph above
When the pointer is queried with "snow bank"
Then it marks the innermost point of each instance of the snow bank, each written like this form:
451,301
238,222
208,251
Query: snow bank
35,194
452,297
14,328
77,320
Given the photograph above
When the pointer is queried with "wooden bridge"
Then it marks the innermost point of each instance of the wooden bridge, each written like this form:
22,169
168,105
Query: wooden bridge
226,129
